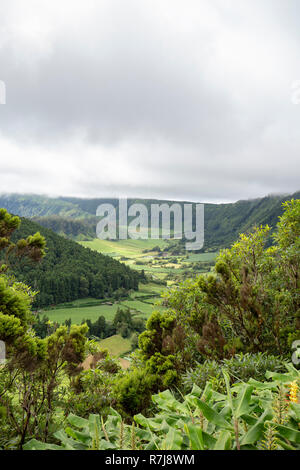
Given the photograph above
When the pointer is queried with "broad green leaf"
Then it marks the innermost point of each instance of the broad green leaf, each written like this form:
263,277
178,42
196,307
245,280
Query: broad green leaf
164,427
243,403
207,393
33,444
211,415
113,412
113,421
295,411
262,385
282,378
173,440
251,420
67,441
94,425
94,419
195,436
216,396
285,446
141,420
225,411
154,444
224,441
208,440
82,437
196,391
147,422
77,421
143,434
105,445
229,394
288,433
166,401
257,430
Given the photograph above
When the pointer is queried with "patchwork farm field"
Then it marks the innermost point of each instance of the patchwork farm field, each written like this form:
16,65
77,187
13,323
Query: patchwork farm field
116,345
158,263
77,314
139,306
155,258
92,309
128,248
202,257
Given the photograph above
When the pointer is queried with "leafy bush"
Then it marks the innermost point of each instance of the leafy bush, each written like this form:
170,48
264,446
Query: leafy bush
90,393
91,390
249,303
133,391
249,416
200,375
241,368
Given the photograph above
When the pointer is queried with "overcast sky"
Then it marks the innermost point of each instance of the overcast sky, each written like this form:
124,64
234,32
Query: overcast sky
176,99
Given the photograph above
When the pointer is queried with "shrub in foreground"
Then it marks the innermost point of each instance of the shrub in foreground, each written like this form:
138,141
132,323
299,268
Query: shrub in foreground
241,367
253,416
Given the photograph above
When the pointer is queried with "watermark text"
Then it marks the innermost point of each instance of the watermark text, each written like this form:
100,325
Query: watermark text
2,92
2,352
295,95
165,221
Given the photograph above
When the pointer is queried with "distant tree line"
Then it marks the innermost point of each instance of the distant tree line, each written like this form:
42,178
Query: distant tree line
123,324
68,226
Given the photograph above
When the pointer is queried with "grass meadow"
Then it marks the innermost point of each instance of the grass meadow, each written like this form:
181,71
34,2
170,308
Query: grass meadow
141,304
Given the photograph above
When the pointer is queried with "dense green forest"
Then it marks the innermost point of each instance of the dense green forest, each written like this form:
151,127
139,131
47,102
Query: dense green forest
74,228
26,205
69,271
217,369
75,217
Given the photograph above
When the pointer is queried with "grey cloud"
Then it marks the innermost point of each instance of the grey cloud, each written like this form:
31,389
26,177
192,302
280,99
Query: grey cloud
156,99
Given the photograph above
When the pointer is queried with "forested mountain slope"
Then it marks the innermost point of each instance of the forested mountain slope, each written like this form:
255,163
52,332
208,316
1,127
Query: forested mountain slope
32,205
223,222
70,271
75,217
